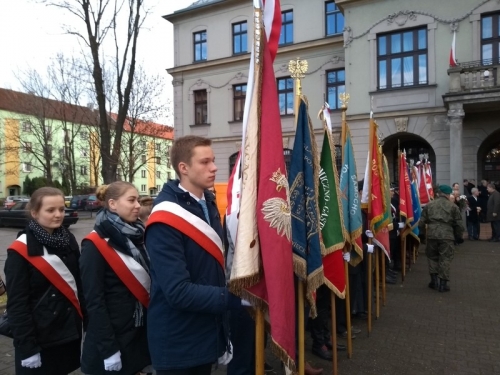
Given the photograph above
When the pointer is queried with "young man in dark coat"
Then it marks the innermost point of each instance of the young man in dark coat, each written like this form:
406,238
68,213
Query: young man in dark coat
473,212
493,212
187,315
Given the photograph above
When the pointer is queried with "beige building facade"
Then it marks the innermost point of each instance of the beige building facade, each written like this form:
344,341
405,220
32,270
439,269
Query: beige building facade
391,56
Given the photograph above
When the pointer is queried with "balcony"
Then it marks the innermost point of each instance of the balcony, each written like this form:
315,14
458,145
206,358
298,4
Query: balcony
475,84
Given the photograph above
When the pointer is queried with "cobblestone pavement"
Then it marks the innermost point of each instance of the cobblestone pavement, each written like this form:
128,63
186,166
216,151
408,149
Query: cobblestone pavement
420,331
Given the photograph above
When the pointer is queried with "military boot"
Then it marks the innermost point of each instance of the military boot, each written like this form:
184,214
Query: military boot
434,281
443,285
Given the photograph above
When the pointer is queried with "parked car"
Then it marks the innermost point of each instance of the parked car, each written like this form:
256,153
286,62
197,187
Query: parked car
93,204
17,216
78,202
12,199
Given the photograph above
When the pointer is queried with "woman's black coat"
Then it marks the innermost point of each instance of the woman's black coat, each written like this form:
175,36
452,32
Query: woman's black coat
55,321
111,308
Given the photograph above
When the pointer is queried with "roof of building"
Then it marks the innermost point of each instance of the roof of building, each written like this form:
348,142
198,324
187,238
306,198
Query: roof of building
32,105
195,5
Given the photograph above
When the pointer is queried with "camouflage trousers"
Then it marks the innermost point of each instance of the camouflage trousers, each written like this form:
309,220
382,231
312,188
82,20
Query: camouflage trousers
440,254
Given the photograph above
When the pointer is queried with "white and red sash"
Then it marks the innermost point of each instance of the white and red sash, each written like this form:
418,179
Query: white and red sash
128,270
198,230
53,268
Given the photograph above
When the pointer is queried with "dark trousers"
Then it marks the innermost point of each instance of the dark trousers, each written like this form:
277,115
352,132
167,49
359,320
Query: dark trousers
495,229
473,229
198,370
242,329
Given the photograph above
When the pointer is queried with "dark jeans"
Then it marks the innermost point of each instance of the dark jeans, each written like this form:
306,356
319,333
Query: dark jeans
242,328
198,370
473,229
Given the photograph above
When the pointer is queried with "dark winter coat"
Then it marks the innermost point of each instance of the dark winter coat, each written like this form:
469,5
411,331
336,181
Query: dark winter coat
493,206
187,319
472,214
54,322
111,308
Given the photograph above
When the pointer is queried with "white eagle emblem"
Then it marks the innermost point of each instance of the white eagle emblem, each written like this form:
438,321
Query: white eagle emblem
276,211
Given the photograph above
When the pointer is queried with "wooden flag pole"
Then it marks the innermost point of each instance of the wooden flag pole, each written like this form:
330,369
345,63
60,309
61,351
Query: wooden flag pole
259,342
382,275
300,317
334,335
377,283
344,99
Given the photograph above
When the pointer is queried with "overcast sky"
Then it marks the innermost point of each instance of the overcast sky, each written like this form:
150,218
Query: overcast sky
31,34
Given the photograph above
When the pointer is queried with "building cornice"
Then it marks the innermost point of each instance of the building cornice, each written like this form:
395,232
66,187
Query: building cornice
201,9
294,48
390,114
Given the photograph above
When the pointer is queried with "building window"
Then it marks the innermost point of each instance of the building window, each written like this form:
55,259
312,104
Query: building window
239,37
402,59
239,93
48,133
158,187
143,188
84,135
142,145
27,147
143,175
158,146
335,85
285,95
158,174
169,175
490,39
168,162
334,20
84,153
143,158
27,126
27,167
83,170
200,45
286,36
200,107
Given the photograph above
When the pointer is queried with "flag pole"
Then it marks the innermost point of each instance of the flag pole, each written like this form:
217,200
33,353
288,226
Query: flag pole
334,335
259,342
377,282
382,275
344,99
297,69
370,240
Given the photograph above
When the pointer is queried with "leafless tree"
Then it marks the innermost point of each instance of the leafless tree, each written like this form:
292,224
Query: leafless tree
101,19
140,126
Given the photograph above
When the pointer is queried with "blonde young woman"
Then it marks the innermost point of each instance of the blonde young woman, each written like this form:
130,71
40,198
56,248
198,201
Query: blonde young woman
45,291
115,276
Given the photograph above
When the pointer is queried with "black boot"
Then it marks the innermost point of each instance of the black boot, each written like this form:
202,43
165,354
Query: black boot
443,287
434,281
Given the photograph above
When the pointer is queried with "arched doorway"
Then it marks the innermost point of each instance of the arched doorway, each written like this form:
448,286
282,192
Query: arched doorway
13,190
415,147
488,158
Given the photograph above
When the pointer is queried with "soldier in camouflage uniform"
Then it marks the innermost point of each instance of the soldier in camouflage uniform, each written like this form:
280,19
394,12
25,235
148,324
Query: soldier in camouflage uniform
444,227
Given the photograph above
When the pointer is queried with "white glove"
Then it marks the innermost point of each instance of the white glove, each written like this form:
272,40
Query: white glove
113,363
226,357
347,256
32,362
244,302
370,248
369,234
401,225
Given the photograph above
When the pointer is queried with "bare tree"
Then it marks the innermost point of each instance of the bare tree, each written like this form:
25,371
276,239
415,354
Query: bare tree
140,127
101,18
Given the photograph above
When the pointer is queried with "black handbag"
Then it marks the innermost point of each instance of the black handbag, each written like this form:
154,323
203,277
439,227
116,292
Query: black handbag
5,329
5,326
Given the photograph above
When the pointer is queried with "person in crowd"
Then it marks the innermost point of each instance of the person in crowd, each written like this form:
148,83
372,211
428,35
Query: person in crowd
115,276
468,186
394,237
472,215
493,214
187,318
146,207
444,228
483,200
455,188
45,307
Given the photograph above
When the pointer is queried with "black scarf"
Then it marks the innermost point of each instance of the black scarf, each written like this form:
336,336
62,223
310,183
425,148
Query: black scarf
58,239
